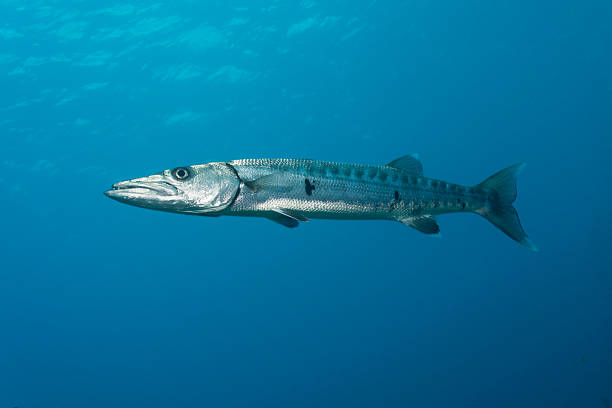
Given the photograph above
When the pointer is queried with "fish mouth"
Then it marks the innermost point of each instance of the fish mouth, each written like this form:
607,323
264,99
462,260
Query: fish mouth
136,189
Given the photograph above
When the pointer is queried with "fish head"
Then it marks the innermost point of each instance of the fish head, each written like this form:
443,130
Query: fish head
199,189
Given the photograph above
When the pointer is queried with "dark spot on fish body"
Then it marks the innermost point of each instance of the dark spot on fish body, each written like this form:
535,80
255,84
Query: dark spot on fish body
359,173
347,171
396,195
309,186
383,176
433,183
333,169
463,205
372,173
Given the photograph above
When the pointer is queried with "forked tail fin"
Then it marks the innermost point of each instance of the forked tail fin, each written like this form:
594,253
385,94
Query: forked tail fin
501,188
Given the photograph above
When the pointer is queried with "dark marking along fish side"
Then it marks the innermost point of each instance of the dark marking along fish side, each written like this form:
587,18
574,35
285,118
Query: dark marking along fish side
288,191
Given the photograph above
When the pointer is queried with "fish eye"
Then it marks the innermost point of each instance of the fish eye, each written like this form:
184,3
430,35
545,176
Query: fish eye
180,173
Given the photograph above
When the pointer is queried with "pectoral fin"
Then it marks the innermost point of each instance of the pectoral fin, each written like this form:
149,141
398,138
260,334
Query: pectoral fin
425,224
274,181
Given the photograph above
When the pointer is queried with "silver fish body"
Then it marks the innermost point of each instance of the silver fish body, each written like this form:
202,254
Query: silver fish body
331,190
288,191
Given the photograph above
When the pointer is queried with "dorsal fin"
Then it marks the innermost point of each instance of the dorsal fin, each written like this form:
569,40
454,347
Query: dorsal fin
409,163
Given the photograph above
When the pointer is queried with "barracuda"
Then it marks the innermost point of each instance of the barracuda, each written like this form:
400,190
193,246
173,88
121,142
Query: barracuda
289,191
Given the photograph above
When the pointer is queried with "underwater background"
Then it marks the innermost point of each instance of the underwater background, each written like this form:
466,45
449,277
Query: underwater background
107,305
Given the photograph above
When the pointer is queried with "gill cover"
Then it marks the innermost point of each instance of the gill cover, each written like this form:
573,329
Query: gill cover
213,187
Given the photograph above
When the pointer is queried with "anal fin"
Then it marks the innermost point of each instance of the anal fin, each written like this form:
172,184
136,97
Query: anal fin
424,223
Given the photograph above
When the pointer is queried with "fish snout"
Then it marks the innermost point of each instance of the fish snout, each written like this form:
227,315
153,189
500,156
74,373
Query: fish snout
143,191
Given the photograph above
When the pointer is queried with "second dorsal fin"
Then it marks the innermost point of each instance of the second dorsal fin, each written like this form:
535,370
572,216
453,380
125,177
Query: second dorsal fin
409,163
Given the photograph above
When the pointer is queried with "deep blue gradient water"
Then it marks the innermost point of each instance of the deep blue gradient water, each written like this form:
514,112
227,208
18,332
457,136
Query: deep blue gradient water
106,305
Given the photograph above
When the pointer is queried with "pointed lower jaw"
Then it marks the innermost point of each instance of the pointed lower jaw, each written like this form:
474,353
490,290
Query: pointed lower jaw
159,187
141,192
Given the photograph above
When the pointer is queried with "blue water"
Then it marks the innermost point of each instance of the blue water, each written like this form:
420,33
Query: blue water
107,305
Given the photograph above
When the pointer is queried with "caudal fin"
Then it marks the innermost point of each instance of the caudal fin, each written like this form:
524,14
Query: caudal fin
501,188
